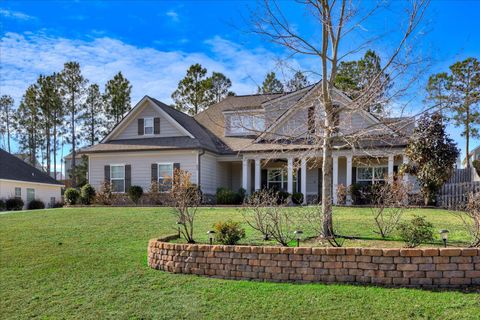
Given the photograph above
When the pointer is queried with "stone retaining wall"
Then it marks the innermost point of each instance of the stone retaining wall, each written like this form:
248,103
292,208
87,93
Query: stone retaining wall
429,268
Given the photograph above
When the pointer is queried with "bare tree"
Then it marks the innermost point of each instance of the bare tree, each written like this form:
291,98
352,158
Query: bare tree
470,216
185,197
338,20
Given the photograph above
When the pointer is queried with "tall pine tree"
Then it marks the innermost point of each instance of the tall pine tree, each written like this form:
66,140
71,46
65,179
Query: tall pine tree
93,118
220,86
271,84
6,115
193,92
299,81
117,99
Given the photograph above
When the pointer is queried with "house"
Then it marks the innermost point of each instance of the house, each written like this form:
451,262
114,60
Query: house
240,143
19,179
474,155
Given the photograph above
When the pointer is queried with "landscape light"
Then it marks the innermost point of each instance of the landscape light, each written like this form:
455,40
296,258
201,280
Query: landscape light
298,236
179,223
211,235
444,235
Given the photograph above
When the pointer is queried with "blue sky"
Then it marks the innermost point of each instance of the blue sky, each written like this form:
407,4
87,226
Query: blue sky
154,42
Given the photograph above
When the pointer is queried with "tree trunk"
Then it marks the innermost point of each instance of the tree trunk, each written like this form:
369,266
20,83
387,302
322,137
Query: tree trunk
55,149
467,136
74,153
8,131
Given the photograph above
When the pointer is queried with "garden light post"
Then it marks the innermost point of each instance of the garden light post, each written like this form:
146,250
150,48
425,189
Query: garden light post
211,235
298,236
444,235
179,223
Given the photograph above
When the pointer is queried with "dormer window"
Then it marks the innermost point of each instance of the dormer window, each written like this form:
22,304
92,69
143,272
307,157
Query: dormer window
246,124
148,126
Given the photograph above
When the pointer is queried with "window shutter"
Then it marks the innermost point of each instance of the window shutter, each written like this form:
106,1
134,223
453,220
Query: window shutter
176,166
106,171
354,175
154,172
264,177
156,125
140,127
128,177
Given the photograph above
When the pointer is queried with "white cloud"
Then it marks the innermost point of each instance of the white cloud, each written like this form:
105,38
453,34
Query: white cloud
173,15
15,15
151,71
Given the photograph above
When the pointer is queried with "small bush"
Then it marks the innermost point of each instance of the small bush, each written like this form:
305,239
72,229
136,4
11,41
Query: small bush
105,195
35,205
341,194
226,196
2,205
229,232
14,204
297,198
135,193
71,196
87,194
57,205
242,194
416,232
282,197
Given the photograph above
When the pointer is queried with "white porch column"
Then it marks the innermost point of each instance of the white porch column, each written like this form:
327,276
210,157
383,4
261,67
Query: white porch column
335,179
349,178
257,173
405,161
245,174
390,168
290,175
303,187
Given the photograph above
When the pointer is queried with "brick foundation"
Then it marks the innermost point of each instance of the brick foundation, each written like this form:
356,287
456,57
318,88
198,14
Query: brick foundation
427,268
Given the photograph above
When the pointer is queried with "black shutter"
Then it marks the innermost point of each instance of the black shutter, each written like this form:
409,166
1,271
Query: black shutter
140,127
106,170
264,176
154,172
128,177
354,175
299,180
156,125
176,165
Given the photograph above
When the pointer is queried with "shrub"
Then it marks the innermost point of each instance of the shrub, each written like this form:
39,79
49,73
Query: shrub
416,232
226,196
282,197
57,205
2,205
242,193
476,165
341,194
470,217
71,196
297,198
87,194
105,195
229,232
35,205
14,204
135,193
356,193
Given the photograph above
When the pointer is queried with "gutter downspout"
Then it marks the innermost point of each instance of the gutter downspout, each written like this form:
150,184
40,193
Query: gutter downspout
199,161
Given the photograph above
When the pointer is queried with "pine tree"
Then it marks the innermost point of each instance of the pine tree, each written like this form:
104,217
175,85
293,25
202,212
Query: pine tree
271,84
117,99
299,81
193,92
220,86
93,119
73,87
6,114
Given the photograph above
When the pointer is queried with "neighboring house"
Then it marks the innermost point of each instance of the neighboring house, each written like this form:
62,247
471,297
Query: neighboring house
19,179
238,142
474,155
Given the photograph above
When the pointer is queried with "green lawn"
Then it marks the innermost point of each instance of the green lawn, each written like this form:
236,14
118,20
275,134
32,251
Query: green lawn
85,263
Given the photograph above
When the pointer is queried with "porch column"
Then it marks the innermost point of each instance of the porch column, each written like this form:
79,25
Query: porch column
335,178
245,174
303,187
290,175
390,168
349,178
257,173
405,161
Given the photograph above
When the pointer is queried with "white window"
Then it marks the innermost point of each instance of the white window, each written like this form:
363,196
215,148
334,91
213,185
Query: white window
148,125
30,194
117,177
18,192
245,124
277,179
165,176
371,174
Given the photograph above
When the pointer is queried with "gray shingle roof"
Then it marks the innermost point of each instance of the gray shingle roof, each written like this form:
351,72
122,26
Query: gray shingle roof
13,168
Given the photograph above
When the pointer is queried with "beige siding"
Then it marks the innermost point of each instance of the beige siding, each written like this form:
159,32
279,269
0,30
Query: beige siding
141,165
167,129
43,192
215,174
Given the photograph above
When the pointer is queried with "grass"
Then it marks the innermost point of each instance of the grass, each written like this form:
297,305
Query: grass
85,263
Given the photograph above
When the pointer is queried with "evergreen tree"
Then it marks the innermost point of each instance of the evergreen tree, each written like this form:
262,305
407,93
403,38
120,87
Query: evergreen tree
117,99
271,84
357,77
299,81
58,115
6,114
193,93
93,118
458,92
73,87
220,86
432,153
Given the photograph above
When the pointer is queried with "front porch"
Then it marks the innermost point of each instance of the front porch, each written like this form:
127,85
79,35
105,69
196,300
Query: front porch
291,173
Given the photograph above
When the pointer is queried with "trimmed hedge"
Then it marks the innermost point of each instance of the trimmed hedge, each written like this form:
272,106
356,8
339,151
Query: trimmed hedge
14,204
35,205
